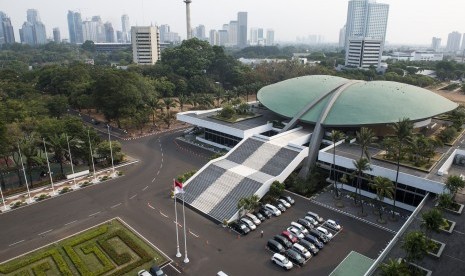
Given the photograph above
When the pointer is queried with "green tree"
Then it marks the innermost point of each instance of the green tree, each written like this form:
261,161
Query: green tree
169,103
445,201
432,220
103,149
57,105
394,268
227,112
365,137
384,188
168,119
361,166
276,189
403,132
30,151
89,46
182,101
453,184
416,245
248,204
335,137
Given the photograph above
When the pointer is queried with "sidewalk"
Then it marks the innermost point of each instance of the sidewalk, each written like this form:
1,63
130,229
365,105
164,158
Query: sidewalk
325,198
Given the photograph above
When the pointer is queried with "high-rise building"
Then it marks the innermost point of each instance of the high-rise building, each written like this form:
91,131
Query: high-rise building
260,34
269,37
463,43
100,29
435,43
242,29
214,38
164,29
145,45
109,32
119,36
89,31
366,24
223,37
232,33
125,28
342,37
7,35
75,27
26,34
453,42
33,16
199,32
56,35
33,31
253,36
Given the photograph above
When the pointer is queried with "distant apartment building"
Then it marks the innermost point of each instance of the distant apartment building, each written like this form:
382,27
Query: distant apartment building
199,32
7,35
435,43
463,43
453,42
232,31
75,27
242,29
33,30
365,33
342,37
109,32
56,35
223,37
166,36
145,45
214,38
126,28
269,37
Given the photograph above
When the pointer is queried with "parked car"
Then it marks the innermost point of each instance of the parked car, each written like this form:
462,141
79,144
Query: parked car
253,218
281,207
296,232
315,216
249,223
275,211
320,236
265,212
305,223
289,236
288,199
295,257
275,246
333,225
156,271
240,227
302,251
282,261
325,232
314,240
284,202
259,216
309,246
143,272
300,227
283,241
311,220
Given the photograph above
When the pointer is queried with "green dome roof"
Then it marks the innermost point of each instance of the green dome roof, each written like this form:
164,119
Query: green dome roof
361,103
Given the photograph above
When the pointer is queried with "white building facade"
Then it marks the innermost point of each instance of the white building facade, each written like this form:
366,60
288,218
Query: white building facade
145,45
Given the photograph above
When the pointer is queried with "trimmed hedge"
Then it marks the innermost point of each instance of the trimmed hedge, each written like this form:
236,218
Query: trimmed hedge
119,259
23,262
103,259
41,270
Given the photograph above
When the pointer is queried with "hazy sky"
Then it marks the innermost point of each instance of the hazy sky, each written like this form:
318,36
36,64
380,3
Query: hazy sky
410,21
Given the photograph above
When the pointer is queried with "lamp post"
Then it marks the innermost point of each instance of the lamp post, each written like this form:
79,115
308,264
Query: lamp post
25,177
71,161
48,165
91,154
111,152
219,93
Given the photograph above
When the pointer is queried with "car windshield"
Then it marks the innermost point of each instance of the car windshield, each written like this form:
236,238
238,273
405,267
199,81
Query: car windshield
285,261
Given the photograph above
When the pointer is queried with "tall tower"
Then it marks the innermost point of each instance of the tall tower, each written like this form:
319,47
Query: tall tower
188,18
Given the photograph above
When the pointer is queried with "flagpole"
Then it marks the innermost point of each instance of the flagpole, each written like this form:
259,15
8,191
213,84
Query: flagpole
25,178
111,151
178,254
91,155
48,165
186,260
3,200
71,161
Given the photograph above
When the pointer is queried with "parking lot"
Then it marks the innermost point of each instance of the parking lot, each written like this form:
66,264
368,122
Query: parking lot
355,236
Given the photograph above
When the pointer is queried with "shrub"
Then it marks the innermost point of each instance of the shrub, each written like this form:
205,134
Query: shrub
65,190
107,264
23,262
447,134
40,270
227,112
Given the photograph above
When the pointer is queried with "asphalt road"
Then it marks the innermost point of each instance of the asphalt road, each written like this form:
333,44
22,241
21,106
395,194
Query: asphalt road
141,199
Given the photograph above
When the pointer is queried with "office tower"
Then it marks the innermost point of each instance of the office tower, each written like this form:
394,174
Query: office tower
125,28
226,27
109,32
463,43
33,16
7,35
214,38
260,35
199,32
188,18
435,43
164,30
119,36
242,29
75,27
453,42
232,33
26,34
366,24
89,31
223,37
99,28
145,45
253,36
342,37
33,31
56,35
269,37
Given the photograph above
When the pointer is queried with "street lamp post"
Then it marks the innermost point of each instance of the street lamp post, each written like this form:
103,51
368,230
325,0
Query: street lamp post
111,151
49,171
25,177
91,154
71,161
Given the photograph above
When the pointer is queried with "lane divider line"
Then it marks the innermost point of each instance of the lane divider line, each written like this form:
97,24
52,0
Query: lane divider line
71,222
193,234
145,188
16,243
45,232
116,205
174,268
133,196
94,214
150,206
153,179
177,223
163,214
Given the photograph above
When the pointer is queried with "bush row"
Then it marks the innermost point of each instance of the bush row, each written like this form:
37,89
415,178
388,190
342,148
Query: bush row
119,259
103,259
23,262
41,269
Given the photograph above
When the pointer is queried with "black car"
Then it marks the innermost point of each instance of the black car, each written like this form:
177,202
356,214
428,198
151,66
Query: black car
241,228
288,199
314,240
294,257
267,214
322,237
280,207
156,271
275,246
259,216
283,241
305,223
309,246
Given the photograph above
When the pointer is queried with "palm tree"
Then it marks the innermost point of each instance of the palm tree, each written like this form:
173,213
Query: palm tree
168,118
432,220
361,166
154,104
169,103
335,137
384,188
30,150
247,204
365,137
183,100
59,146
403,131
394,268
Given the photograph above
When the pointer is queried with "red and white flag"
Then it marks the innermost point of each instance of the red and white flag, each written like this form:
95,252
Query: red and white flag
178,187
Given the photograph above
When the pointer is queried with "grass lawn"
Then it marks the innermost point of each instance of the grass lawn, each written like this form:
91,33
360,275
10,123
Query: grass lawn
107,249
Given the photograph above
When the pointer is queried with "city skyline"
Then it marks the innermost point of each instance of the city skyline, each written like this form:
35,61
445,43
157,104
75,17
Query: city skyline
421,20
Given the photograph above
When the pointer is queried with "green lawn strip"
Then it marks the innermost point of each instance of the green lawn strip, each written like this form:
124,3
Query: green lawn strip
27,260
92,248
41,269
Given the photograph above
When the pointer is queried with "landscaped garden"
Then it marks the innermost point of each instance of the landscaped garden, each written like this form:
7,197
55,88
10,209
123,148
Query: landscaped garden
107,249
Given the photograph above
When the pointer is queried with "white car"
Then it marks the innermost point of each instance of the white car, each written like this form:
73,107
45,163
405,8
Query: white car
333,225
296,232
253,218
285,203
315,216
300,227
281,261
311,220
143,272
302,250
249,223
325,232
273,209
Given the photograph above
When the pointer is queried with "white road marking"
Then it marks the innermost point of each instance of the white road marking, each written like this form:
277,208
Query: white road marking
153,179
94,214
459,232
163,214
161,165
193,234
145,188
174,268
71,222
116,205
133,196
162,156
150,206
16,243
45,232
158,173
177,223
162,159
